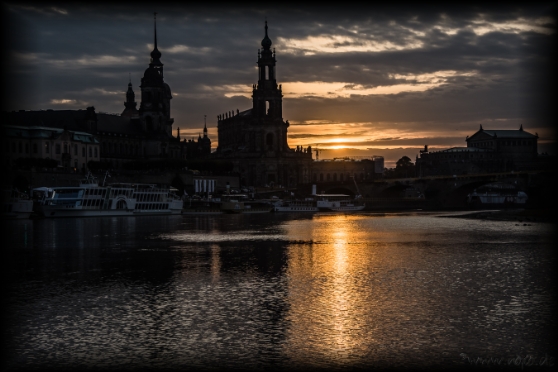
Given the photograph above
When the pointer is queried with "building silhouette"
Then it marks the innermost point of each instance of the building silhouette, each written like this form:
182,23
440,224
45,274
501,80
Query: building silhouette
144,133
487,151
195,149
255,140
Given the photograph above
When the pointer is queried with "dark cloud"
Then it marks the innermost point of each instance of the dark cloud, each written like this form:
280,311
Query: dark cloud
87,53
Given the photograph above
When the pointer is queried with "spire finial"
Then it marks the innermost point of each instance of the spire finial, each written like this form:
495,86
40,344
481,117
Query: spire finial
266,42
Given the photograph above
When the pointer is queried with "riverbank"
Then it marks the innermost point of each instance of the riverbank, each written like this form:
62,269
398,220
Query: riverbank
518,215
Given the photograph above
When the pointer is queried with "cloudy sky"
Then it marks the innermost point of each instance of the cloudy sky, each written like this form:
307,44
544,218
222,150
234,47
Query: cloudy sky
356,81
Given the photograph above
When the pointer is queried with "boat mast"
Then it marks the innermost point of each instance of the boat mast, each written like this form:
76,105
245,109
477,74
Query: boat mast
358,190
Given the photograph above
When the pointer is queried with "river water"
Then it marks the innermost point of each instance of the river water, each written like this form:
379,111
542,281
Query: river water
266,291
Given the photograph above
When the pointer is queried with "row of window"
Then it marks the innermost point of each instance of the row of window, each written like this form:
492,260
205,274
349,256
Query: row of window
460,156
23,148
154,206
122,148
506,143
333,177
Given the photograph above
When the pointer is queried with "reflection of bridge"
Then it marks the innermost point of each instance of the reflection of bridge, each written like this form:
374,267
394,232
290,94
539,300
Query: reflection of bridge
447,189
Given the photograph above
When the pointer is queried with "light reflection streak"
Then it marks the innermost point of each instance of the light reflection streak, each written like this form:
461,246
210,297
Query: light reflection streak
331,264
215,262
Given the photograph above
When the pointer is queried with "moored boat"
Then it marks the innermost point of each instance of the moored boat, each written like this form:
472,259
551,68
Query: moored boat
497,194
16,204
307,205
91,200
257,207
338,203
229,204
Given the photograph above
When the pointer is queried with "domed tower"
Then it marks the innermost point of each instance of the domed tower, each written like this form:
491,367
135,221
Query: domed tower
155,94
130,104
267,96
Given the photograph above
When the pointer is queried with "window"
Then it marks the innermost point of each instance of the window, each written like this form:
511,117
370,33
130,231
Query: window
90,155
19,148
27,148
57,148
47,148
35,148
75,150
269,141
83,151
95,152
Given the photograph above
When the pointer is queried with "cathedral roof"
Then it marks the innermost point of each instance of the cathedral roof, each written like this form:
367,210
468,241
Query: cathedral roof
69,119
245,113
506,133
47,132
116,124
509,134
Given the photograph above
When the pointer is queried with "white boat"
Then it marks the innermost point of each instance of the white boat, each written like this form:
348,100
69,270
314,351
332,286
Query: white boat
91,200
308,205
338,203
497,194
16,204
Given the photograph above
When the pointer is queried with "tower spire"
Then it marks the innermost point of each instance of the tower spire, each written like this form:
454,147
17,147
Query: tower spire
130,103
266,42
267,98
204,126
155,27
155,54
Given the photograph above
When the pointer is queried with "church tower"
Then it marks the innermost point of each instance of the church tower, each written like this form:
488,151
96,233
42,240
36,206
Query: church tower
267,96
255,140
155,94
130,104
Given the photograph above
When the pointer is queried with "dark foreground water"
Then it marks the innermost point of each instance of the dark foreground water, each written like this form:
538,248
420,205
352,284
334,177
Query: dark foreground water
278,291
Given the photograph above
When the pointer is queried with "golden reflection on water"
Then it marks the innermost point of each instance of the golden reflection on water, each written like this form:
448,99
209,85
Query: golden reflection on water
332,329
215,262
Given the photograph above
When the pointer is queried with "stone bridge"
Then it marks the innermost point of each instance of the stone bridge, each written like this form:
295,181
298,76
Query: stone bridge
449,191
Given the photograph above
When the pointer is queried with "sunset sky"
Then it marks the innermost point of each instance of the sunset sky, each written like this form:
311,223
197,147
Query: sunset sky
368,81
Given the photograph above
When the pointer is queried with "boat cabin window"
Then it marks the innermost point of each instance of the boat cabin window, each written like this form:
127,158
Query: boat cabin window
68,194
